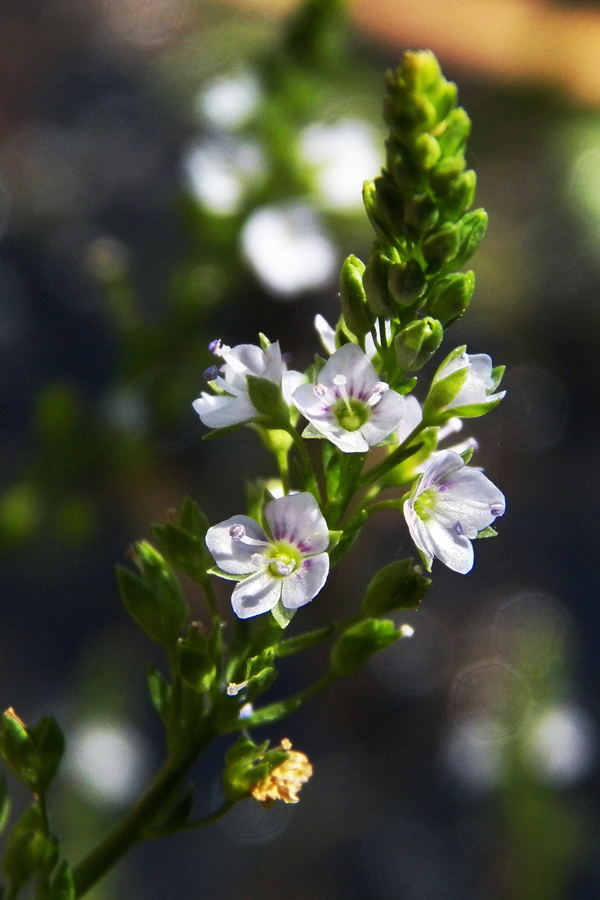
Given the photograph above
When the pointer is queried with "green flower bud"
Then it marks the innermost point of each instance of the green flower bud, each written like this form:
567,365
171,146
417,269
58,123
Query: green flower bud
390,205
451,296
453,133
406,282
357,315
397,586
417,342
377,223
425,151
446,173
460,197
33,754
358,643
472,228
375,281
441,247
62,886
420,214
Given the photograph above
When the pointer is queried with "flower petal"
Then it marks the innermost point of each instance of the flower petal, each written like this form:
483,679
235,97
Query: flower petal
419,533
471,499
305,583
360,373
413,416
454,550
442,465
289,382
298,520
256,595
219,411
326,333
235,556
386,417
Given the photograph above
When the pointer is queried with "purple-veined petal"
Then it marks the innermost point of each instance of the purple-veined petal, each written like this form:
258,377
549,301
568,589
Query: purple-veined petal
298,520
238,556
256,595
355,366
470,499
441,466
305,583
452,549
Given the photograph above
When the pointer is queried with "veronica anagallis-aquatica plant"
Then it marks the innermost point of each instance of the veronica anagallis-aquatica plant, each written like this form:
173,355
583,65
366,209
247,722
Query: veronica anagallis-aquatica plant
349,439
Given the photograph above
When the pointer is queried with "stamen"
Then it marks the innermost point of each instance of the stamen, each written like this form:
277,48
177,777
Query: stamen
340,382
211,373
233,689
319,390
237,532
407,630
378,391
496,510
216,347
451,427
458,529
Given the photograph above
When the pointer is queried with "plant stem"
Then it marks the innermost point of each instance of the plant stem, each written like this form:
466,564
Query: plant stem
130,829
306,460
191,826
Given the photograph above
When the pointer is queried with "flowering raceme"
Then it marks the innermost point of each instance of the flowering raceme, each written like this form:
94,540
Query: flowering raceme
232,404
449,506
349,405
289,567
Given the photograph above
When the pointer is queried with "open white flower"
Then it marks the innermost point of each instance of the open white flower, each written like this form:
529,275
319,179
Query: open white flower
327,336
234,405
349,405
291,566
479,384
449,506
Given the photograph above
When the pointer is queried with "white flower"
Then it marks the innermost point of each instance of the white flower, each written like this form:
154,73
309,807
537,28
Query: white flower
448,507
234,405
349,405
479,383
291,566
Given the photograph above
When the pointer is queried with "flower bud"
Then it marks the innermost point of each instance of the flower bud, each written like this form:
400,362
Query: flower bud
360,642
369,200
399,585
420,213
460,196
417,342
33,754
375,281
451,296
406,282
453,133
357,315
472,228
441,247
446,173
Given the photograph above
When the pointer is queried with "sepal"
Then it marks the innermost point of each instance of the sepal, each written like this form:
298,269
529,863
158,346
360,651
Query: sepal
246,764
62,886
267,399
400,585
360,642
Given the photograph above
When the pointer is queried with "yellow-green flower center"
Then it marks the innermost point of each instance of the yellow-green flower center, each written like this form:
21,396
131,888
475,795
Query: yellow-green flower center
285,559
424,503
351,414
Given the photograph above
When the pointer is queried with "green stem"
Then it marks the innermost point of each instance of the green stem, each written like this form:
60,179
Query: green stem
284,471
131,828
191,826
306,461
397,456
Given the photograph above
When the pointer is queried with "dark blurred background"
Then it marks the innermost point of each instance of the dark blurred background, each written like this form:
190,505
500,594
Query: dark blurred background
172,171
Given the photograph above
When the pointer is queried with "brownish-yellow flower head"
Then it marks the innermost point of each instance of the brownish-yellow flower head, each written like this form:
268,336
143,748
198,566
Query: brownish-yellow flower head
285,781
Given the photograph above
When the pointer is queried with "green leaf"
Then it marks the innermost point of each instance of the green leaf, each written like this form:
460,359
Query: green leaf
27,849
4,802
360,642
399,585
268,400
183,551
50,747
160,692
196,667
153,601
304,641
62,886
268,714
487,532
193,520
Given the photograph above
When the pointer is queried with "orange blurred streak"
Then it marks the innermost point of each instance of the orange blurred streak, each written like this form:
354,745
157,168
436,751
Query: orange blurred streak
530,41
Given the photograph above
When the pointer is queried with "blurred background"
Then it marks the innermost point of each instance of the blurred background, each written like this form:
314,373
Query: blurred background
166,169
